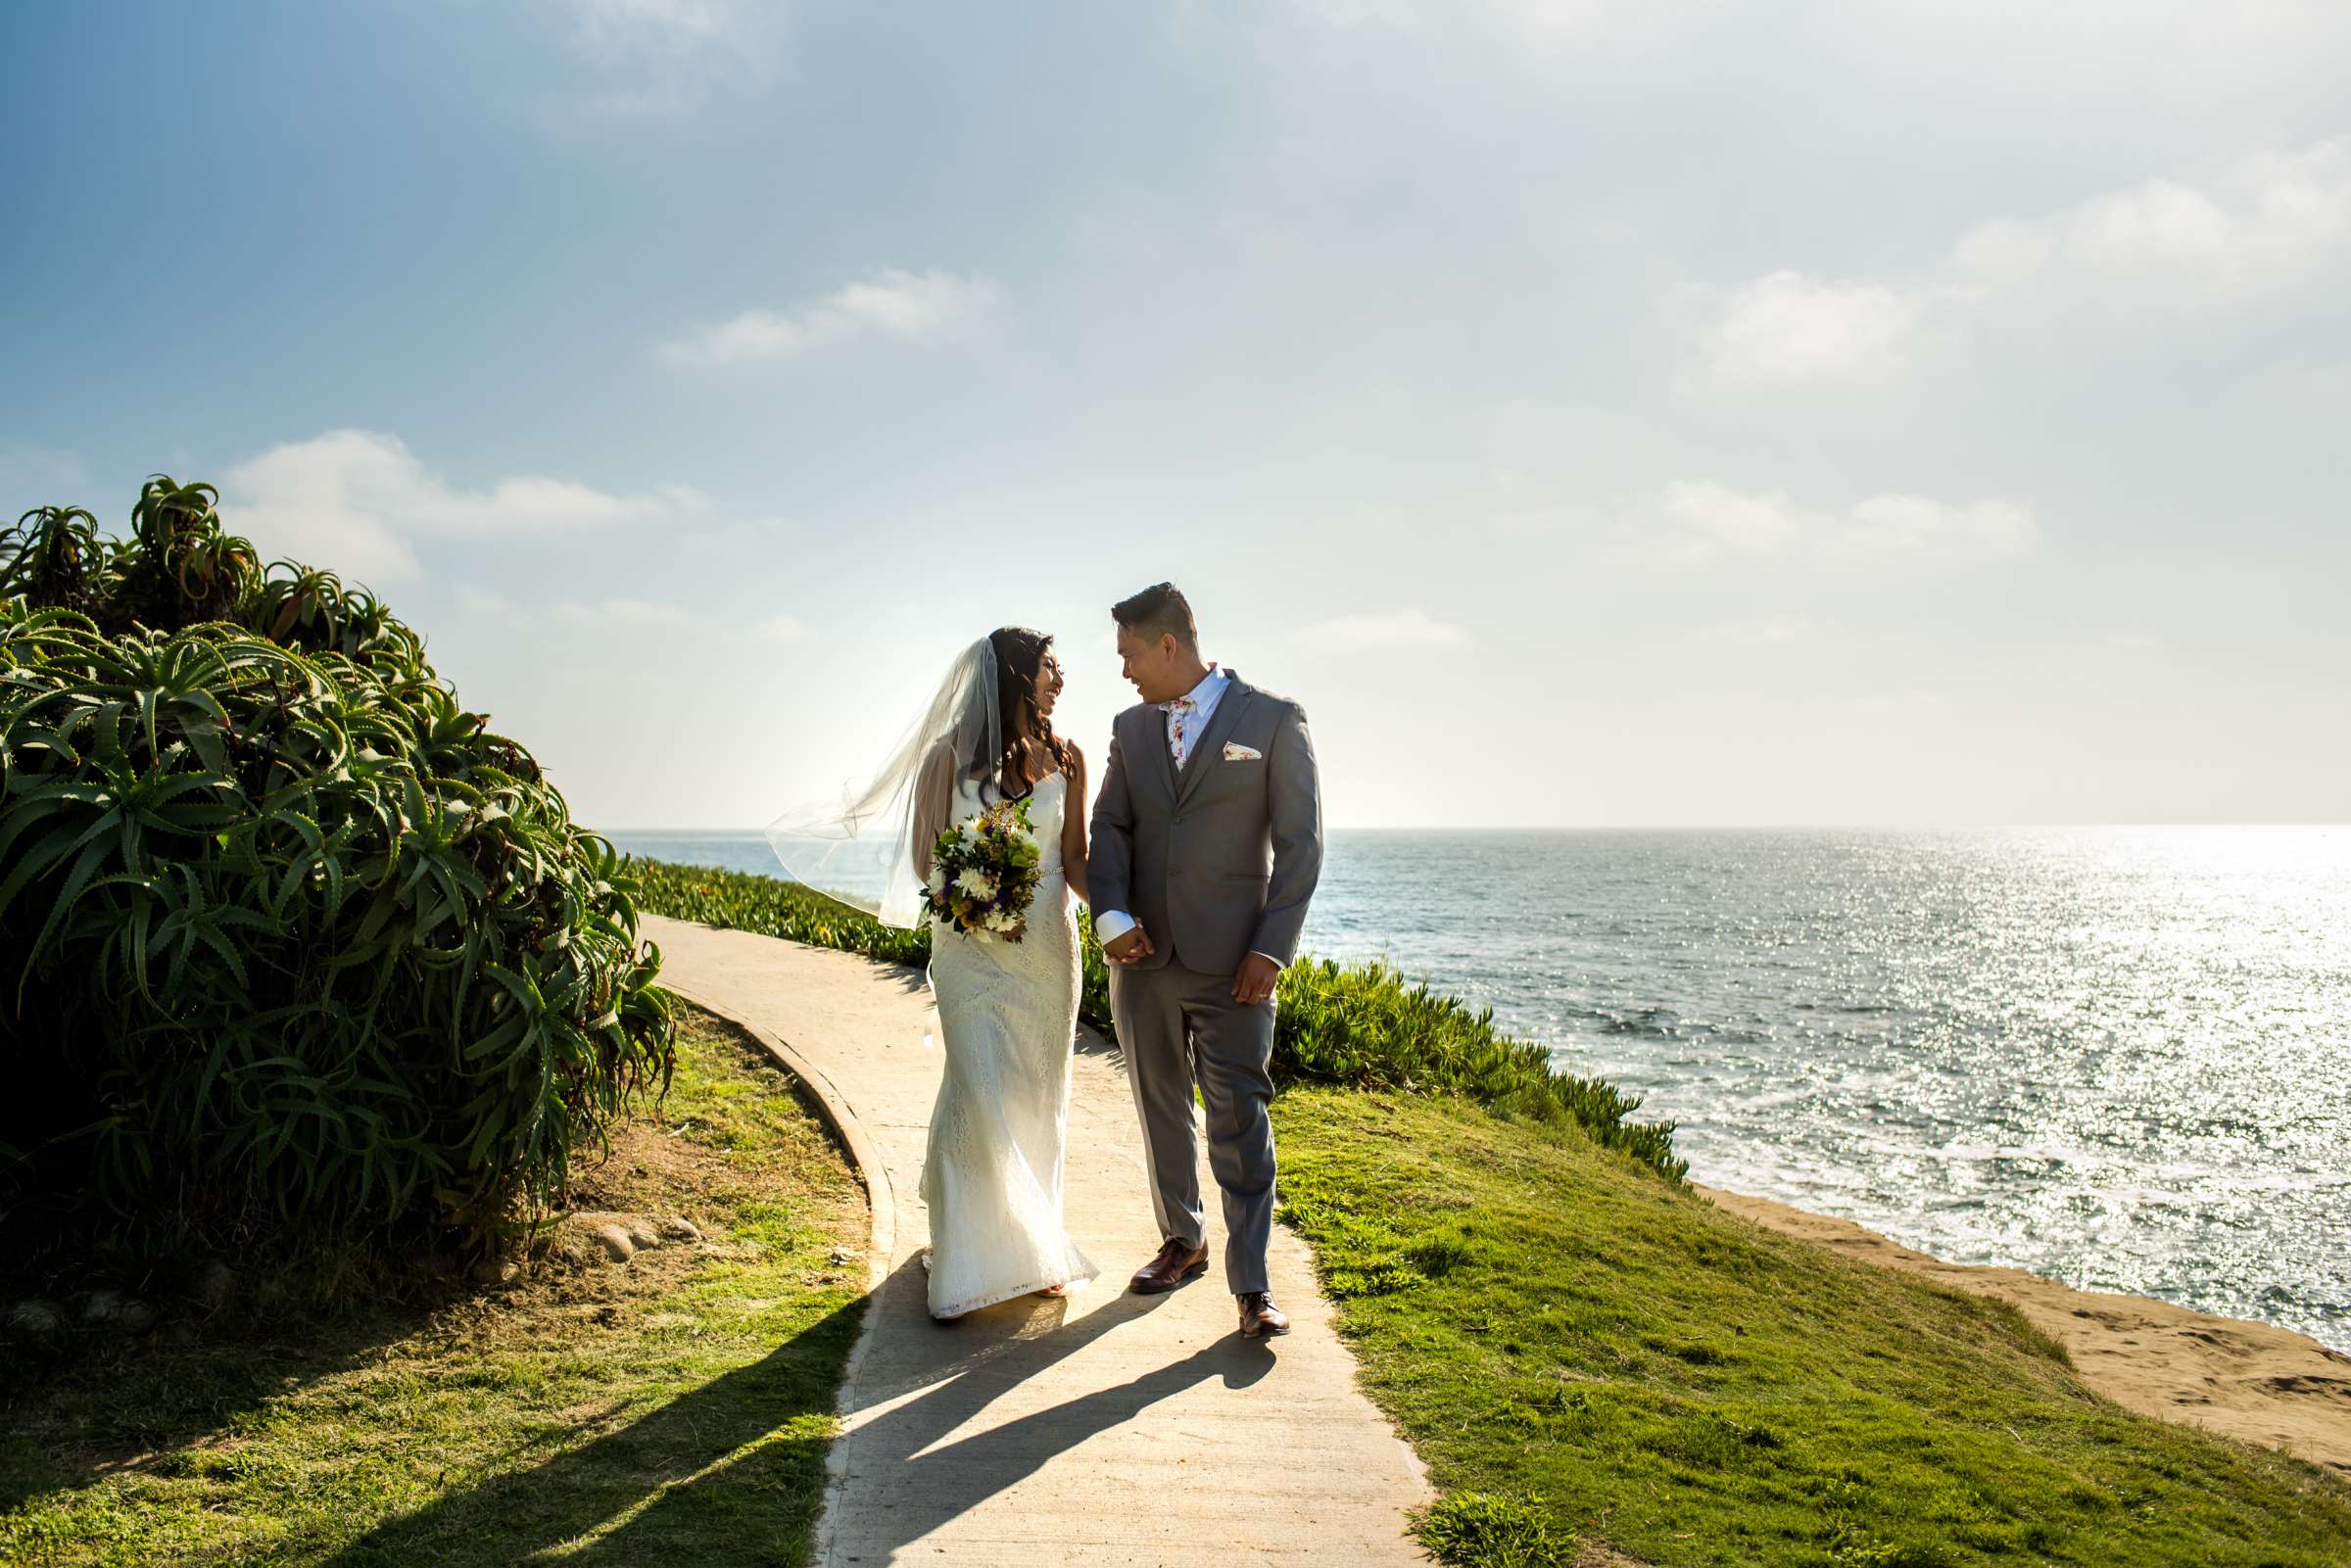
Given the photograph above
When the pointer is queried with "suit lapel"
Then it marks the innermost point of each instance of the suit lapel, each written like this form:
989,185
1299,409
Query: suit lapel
1151,733
1209,751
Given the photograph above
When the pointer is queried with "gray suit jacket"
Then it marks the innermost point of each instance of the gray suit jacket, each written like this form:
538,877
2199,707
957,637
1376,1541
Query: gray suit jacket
1217,862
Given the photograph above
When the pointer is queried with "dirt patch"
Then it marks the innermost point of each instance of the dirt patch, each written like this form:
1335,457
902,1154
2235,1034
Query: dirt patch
1599,1554
645,1212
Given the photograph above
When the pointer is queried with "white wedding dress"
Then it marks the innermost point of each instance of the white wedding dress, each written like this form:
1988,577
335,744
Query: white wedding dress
1008,1015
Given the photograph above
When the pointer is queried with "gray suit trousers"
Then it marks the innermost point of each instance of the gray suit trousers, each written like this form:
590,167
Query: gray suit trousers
1179,1027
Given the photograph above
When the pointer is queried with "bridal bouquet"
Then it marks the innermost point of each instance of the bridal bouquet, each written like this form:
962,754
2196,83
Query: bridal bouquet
983,871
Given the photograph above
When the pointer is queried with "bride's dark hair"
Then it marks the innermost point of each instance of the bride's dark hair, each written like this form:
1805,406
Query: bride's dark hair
1019,661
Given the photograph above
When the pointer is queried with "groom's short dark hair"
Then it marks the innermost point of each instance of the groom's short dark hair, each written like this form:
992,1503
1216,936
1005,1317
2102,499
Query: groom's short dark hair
1160,609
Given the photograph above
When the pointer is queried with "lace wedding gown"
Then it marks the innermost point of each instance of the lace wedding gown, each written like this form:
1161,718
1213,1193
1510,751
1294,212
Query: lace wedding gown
1008,1011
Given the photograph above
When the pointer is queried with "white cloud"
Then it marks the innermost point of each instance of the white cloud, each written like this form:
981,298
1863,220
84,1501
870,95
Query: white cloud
1394,628
2269,221
610,614
911,307
622,615
1538,22
1784,326
1900,526
666,56
2153,259
354,501
1705,520
480,602
1698,522
617,612
624,25
1763,631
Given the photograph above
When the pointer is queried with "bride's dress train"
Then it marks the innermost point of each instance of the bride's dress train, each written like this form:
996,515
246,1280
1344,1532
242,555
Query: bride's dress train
1007,1013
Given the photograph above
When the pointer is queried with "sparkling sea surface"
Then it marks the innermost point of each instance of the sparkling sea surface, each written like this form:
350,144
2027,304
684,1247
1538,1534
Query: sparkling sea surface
2117,1056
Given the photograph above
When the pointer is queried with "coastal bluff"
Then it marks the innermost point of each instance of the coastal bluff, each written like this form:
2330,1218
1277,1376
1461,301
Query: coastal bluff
2251,1381
1584,1354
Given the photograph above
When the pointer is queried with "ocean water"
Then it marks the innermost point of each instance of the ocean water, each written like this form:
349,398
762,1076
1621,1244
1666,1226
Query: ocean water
2117,1056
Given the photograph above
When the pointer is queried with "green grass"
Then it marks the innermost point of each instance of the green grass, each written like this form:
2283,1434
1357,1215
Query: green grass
676,1408
1361,1024
1583,1354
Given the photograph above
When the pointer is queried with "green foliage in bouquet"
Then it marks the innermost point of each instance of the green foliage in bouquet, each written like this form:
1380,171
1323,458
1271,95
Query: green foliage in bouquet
998,850
290,942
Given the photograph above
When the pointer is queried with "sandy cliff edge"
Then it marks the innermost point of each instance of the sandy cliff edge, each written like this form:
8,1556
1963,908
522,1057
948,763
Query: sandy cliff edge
2250,1381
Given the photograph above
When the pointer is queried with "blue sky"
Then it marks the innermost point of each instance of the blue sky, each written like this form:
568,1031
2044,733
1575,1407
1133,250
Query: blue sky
1594,412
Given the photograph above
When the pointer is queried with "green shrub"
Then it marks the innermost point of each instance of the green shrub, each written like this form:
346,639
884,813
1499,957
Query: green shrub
1361,1025
1365,1025
293,943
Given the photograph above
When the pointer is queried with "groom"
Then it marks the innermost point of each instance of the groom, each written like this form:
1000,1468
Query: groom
1207,841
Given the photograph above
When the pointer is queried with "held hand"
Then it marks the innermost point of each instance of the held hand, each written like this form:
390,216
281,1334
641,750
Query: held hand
1132,947
1254,983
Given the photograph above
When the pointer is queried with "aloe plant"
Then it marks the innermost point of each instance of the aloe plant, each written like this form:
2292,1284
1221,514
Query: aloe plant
290,942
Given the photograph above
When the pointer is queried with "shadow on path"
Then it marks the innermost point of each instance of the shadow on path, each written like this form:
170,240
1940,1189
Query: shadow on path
732,1471
907,1476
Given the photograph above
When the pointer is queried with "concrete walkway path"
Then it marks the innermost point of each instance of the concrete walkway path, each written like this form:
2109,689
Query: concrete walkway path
1105,1428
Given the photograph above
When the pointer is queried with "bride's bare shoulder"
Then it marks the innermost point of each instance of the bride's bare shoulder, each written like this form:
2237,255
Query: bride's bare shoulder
939,757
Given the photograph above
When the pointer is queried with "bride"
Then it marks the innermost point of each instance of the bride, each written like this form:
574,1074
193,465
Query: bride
1008,1011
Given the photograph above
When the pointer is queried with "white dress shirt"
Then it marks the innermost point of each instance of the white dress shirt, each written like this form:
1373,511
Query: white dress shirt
1195,708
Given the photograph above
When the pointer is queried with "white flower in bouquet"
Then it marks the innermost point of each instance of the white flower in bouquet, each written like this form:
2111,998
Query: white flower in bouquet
983,873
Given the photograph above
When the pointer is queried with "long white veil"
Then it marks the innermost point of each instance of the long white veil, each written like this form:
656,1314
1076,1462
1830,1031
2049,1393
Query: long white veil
834,846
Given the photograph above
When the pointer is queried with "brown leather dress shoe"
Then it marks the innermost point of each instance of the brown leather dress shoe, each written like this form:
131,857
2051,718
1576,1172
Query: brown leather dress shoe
1177,1263
1261,1318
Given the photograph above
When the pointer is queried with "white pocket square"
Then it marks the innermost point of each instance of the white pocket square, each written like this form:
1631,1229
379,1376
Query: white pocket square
1234,751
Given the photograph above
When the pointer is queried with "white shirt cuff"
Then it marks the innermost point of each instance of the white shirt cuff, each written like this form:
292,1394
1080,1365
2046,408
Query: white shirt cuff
1112,924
